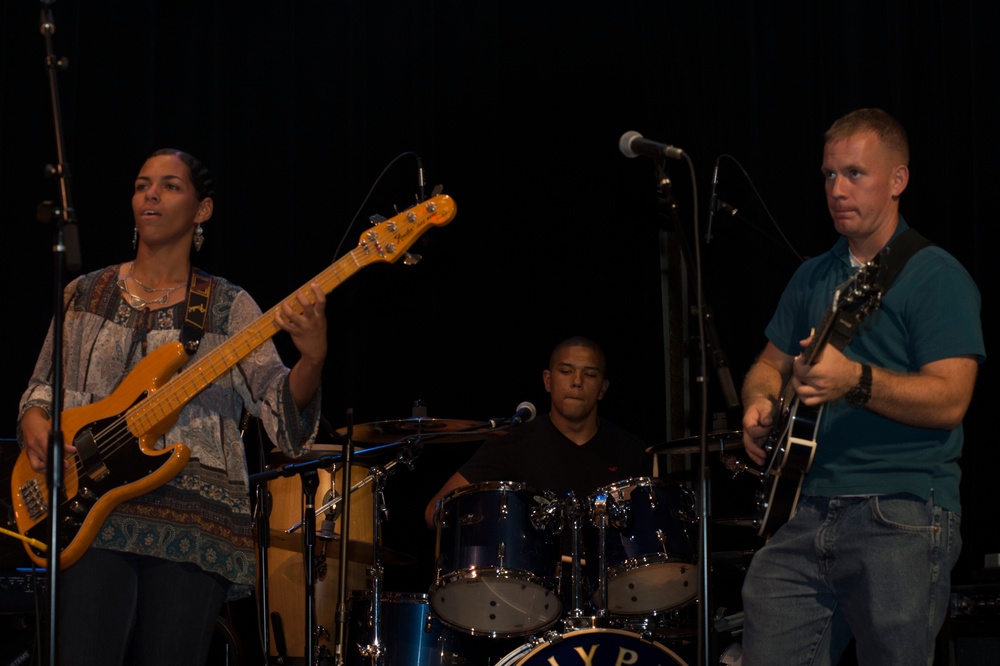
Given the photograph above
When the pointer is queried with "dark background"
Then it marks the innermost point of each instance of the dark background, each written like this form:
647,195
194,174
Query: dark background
516,109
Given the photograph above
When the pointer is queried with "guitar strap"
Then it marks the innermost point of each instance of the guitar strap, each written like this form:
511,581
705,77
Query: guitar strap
197,310
897,253
891,260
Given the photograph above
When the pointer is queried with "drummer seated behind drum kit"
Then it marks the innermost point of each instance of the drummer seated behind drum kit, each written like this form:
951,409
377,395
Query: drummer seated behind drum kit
552,558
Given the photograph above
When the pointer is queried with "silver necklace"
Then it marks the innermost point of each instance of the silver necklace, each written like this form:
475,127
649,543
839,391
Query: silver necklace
138,302
150,290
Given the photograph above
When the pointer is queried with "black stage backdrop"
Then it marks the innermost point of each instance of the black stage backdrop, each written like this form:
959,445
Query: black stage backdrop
516,109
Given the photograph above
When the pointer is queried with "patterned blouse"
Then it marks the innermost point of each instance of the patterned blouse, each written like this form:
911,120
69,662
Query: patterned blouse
202,516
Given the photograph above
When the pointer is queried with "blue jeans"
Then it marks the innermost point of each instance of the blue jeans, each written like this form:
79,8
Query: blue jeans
875,568
116,605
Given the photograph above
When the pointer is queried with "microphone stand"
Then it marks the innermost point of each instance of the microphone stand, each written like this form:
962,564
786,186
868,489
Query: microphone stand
345,522
67,255
309,473
706,639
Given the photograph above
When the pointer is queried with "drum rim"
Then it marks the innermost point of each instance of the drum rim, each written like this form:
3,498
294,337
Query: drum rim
648,560
406,597
627,483
520,575
499,486
558,606
547,642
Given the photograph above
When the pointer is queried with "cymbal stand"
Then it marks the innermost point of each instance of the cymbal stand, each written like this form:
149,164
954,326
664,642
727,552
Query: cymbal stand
599,518
310,482
375,650
345,525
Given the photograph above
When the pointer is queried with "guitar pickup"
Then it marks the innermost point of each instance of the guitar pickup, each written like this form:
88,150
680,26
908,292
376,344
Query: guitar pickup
93,463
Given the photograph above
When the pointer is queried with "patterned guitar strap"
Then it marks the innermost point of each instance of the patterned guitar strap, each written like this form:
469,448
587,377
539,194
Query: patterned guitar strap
197,310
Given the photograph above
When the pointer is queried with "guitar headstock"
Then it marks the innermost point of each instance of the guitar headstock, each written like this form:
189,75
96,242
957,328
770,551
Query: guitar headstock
862,294
390,239
852,302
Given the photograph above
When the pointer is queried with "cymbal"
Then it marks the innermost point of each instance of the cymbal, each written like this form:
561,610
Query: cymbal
277,458
726,439
443,430
357,551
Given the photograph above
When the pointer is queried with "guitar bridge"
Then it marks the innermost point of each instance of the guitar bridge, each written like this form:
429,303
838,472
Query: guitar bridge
34,500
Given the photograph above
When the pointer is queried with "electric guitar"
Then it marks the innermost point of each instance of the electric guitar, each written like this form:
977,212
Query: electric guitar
114,437
791,444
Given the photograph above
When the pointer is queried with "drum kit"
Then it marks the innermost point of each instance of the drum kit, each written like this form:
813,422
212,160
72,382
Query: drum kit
521,577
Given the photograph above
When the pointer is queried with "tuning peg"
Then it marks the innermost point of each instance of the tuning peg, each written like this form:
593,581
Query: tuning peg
410,259
376,219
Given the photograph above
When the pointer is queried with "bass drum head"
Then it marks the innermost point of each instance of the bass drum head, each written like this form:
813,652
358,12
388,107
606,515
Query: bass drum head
602,647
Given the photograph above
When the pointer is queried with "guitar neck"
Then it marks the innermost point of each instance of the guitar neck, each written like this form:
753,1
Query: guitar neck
176,393
386,242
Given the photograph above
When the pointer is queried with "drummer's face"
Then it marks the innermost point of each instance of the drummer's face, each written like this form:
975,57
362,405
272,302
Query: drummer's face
576,382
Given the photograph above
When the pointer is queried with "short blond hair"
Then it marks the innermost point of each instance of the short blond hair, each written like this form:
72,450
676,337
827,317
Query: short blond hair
889,130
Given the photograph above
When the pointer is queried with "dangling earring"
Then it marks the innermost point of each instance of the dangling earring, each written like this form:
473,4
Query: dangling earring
199,238
135,238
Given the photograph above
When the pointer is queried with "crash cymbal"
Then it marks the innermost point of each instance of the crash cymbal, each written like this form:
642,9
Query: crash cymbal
726,439
357,551
443,430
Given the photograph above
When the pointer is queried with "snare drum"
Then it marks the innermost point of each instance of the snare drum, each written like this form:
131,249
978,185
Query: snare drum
649,557
592,647
497,568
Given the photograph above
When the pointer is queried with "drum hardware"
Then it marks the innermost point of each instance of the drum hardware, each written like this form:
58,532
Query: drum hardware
575,512
717,441
599,518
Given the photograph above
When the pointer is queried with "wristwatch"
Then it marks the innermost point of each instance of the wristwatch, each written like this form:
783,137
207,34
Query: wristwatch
859,395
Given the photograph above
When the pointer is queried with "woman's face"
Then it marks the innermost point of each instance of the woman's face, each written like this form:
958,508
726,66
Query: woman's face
164,202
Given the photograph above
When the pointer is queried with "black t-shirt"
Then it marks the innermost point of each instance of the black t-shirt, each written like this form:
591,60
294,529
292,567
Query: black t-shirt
539,456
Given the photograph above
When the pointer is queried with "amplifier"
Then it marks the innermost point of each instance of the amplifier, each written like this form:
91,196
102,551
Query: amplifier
976,602
21,588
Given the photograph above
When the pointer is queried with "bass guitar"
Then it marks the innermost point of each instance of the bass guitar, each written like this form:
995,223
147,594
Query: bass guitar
791,444
114,437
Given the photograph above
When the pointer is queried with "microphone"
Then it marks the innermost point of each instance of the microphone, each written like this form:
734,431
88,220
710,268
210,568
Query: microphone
713,202
421,181
525,412
632,145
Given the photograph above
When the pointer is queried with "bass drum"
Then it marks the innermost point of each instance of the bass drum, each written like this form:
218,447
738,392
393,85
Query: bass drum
410,635
593,647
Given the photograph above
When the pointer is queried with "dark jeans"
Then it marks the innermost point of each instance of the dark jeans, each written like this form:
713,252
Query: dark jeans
116,609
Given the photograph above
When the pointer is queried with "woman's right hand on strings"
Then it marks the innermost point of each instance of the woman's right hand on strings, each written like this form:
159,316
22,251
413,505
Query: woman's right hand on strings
36,428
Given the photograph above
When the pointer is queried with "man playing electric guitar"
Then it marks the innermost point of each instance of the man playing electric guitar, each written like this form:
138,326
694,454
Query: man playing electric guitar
876,530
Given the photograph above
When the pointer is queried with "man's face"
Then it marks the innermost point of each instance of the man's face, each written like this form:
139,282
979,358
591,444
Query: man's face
575,382
862,178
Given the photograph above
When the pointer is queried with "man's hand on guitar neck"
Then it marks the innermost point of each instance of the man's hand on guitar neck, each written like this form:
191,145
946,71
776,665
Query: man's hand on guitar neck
828,378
